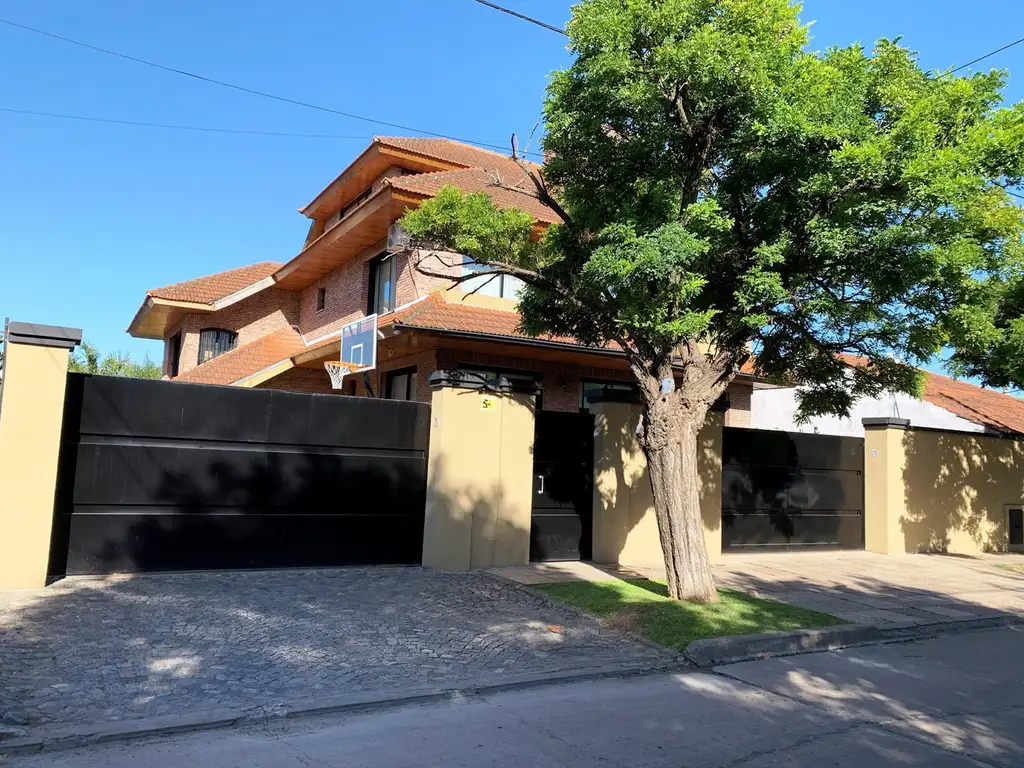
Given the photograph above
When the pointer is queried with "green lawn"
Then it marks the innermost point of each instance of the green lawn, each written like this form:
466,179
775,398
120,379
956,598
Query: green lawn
642,606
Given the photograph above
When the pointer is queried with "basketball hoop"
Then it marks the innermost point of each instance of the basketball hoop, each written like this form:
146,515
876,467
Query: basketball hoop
336,371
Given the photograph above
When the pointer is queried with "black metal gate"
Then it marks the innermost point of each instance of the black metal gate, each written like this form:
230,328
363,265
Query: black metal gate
158,475
563,474
791,490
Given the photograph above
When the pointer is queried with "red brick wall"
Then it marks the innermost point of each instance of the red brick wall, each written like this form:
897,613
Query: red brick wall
739,394
265,312
348,289
301,380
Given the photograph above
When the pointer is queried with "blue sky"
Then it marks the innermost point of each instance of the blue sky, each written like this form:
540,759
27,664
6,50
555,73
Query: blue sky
91,215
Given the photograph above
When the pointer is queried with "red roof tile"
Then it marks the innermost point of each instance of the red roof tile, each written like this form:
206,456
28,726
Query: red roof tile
206,290
450,151
246,360
988,407
483,180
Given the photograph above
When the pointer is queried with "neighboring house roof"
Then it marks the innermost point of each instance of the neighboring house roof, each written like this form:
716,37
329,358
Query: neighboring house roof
206,290
988,407
244,361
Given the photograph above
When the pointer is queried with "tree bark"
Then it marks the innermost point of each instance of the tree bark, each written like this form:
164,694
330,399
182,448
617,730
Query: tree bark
668,432
674,482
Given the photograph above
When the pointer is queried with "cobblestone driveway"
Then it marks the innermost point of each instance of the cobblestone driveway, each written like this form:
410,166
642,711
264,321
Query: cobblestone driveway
84,651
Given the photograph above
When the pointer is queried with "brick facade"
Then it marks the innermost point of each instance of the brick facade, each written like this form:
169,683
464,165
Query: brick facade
740,394
251,318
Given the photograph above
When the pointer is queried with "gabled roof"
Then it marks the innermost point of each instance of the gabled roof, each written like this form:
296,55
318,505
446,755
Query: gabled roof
449,151
206,290
246,360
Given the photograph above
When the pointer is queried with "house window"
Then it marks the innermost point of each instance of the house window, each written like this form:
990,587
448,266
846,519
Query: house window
214,342
174,355
358,200
522,379
383,280
401,385
501,286
321,299
620,391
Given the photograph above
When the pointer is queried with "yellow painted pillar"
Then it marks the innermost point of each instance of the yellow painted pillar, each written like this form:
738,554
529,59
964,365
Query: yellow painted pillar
31,415
884,497
625,525
479,474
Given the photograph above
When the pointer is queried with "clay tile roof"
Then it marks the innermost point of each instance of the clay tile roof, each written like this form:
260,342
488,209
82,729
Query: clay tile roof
246,360
482,180
206,290
449,151
987,407
436,313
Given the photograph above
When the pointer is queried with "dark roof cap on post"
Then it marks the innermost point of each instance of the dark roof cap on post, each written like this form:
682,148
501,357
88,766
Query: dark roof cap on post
473,380
885,422
43,335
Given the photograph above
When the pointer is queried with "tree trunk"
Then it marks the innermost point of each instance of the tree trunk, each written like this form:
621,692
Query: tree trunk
673,471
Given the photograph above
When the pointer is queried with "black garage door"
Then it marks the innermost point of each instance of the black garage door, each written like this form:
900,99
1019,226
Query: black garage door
563,460
159,475
791,490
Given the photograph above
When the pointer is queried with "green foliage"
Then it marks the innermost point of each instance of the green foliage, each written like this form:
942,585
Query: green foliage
87,359
726,186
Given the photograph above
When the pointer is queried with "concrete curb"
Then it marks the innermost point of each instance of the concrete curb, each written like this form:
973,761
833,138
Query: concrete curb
72,736
719,651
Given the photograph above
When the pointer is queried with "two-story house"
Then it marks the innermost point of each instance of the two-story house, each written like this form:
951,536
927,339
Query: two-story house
276,324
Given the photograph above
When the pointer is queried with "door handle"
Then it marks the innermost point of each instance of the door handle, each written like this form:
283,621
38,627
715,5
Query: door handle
541,489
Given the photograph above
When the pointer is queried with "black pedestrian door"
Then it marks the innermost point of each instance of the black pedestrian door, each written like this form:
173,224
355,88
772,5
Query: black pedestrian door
158,475
789,490
563,460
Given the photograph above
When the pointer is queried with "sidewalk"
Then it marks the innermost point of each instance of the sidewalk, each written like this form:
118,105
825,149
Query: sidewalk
860,587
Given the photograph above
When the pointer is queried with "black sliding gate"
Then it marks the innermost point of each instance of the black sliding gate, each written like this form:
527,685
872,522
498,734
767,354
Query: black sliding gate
563,473
156,475
791,490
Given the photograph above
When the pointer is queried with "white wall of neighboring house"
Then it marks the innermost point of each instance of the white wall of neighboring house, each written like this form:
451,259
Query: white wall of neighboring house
776,409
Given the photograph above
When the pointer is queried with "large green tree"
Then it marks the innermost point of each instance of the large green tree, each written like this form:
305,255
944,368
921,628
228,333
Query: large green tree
724,193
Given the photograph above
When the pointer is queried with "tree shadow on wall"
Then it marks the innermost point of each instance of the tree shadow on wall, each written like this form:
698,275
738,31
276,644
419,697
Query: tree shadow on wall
620,470
956,489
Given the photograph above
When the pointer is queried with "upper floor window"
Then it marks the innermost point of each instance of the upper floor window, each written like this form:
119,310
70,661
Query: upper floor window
214,342
383,282
174,355
321,299
501,286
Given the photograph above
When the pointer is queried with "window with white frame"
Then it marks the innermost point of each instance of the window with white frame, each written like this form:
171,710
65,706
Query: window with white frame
501,286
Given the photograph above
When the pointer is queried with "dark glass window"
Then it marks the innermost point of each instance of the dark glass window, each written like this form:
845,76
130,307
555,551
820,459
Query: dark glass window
321,299
401,384
174,355
608,389
214,342
383,279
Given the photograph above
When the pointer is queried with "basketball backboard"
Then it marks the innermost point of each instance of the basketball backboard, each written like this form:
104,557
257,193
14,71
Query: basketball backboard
359,343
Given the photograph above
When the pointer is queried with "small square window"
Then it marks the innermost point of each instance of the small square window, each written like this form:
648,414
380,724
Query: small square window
321,299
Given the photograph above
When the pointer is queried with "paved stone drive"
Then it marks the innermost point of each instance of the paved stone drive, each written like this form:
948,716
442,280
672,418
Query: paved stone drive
89,650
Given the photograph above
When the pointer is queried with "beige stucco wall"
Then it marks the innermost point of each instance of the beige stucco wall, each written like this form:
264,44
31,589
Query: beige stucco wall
479,479
625,526
938,491
30,425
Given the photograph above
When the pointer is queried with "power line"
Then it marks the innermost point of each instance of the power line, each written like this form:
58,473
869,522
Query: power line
203,129
524,17
242,88
986,56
